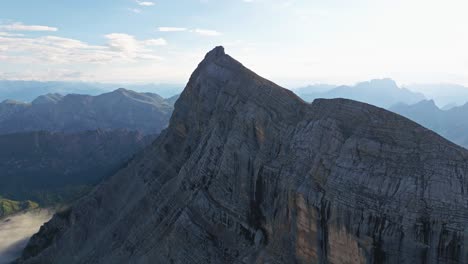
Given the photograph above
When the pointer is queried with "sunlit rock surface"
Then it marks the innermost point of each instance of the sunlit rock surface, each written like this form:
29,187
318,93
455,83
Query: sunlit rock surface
249,173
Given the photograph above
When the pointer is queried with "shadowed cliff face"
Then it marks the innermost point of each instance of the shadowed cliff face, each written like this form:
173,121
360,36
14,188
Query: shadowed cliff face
247,172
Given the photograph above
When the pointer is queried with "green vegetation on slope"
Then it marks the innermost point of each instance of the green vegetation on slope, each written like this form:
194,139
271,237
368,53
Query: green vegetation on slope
57,196
9,207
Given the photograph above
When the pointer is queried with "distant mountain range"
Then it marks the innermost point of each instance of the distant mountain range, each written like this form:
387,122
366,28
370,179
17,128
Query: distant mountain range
312,90
120,109
56,148
26,91
51,167
385,93
382,92
444,95
451,123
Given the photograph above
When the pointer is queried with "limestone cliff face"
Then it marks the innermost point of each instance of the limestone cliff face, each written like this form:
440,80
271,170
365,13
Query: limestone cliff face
247,172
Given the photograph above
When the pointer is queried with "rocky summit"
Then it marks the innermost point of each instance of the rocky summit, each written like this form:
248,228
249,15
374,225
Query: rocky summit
247,172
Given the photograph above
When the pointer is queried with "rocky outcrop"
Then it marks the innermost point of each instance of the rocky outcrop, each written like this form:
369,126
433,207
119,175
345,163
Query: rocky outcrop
121,109
247,172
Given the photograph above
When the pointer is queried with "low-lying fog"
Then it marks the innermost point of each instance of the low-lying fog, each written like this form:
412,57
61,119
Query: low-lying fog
16,230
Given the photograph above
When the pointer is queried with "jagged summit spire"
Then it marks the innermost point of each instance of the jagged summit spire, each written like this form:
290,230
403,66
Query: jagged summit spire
215,53
219,71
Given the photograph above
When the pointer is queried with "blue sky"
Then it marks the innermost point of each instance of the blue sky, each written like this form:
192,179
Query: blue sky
292,42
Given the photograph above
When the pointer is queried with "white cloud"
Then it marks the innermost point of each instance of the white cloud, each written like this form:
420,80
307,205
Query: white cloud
207,32
7,34
67,43
53,50
155,42
50,74
132,48
18,228
199,31
171,29
22,27
135,10
145,3
122,42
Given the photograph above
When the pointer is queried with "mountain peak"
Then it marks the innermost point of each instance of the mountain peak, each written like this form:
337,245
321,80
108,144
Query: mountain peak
118,93
220,80
48,98
429,102
121,90
247,172
215,53
385,83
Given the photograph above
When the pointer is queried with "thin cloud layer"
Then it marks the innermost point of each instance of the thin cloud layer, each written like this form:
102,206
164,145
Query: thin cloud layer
145,3
199,31
16,230
59,50
207,32
172,29
23,27
316,41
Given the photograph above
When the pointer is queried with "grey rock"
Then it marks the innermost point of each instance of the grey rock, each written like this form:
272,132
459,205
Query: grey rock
335,181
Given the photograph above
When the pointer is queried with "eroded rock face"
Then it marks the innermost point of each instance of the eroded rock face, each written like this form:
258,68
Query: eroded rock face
247,172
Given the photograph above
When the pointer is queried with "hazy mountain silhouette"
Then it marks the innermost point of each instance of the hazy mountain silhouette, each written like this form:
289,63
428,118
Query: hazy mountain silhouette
26,91
443,94
381,92
314,89
68,156
452,123
120,109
